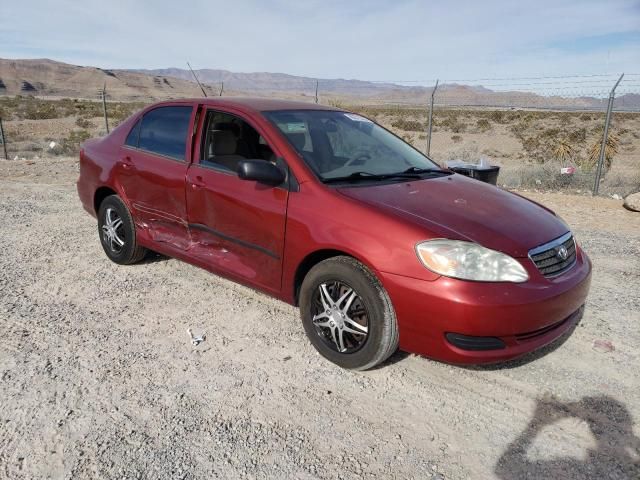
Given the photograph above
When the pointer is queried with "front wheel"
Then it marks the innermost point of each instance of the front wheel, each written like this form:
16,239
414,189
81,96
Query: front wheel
347,314
117,232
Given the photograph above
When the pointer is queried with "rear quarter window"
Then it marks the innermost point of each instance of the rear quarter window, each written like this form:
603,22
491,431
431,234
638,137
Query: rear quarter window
134,134
164,130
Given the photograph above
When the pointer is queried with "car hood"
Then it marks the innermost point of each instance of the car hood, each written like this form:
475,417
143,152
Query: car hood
461,208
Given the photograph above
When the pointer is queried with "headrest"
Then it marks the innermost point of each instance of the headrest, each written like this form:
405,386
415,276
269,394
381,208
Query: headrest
224,142
232,127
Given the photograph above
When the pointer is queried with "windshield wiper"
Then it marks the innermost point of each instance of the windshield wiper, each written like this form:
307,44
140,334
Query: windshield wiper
426,170
356,176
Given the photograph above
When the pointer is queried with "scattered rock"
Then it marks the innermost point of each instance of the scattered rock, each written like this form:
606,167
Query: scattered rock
603,346
632,202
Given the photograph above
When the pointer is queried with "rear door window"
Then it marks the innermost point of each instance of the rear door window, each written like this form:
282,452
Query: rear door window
164,131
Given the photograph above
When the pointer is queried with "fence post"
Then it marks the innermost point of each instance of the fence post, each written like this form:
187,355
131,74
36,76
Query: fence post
605,136
4,141
433,93
104,107
221,88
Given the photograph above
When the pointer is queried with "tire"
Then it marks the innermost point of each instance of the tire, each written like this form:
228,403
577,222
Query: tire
115,214
370,308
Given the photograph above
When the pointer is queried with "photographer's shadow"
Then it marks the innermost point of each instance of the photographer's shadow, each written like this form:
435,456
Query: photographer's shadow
616,456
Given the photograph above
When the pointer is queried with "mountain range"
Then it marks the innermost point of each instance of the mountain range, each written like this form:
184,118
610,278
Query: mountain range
44,77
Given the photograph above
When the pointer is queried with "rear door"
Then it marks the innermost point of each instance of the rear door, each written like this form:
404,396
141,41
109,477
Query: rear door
152,171
237,225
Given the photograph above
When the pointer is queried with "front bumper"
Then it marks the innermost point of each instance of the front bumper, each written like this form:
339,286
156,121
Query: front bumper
524,317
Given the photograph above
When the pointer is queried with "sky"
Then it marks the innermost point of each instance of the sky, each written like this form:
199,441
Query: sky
370,40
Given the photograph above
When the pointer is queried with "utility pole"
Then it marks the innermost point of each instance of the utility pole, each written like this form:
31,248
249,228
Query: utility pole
605,136
198,81
316,91
433,93
104,106
221,88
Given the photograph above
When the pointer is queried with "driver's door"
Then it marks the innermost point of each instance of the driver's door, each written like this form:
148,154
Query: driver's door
237,226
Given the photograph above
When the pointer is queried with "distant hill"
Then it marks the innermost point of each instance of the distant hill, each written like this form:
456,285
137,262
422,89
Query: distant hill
45,77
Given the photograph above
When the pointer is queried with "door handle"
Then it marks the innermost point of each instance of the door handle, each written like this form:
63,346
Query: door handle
126,162
197,182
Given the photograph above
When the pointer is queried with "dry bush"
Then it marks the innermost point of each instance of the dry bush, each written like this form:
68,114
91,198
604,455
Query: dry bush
456,138
497,116
71,144
611,149
83,123
564,152
544,176
452,124
467,153
621,182
408,125
483,125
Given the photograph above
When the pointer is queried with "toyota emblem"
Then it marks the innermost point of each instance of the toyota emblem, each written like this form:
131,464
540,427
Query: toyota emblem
562,253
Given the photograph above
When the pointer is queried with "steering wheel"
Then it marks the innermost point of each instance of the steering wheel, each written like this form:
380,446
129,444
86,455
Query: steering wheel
359,155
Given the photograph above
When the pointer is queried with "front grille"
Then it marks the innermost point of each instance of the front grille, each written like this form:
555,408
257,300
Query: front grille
548,257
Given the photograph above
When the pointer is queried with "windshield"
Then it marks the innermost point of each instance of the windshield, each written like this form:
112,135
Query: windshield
339,144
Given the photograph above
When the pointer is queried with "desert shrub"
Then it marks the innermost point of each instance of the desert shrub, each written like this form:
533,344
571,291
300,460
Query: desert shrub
37,110
71,144
593,155
483,124
497,116
544,176
83,123
564,152
578,135
337,104
120,111
408,125
466,153
456,138
621,182
452,124
551,133
519,129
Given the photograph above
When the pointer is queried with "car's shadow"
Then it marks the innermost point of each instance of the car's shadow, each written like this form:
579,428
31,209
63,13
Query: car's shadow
153,257
616,454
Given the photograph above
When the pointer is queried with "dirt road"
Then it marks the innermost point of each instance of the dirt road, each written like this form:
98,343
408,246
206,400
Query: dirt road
98,378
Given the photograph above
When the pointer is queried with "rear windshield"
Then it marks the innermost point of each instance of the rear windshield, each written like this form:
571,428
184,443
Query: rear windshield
337,144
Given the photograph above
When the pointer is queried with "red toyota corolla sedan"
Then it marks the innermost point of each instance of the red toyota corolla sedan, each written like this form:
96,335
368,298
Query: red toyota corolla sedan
379,246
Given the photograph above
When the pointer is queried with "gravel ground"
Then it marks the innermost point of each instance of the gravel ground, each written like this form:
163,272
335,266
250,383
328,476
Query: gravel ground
98,378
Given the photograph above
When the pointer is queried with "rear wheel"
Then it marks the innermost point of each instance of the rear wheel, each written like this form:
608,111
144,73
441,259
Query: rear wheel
347,314
117,232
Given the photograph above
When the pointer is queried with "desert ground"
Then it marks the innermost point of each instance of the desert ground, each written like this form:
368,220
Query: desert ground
99,379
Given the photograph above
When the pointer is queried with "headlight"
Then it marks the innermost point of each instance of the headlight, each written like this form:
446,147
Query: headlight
469,261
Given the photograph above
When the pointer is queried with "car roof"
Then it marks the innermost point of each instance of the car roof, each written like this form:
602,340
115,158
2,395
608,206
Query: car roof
257,104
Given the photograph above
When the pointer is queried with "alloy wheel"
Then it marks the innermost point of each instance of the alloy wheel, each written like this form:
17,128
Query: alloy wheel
340,317
113,231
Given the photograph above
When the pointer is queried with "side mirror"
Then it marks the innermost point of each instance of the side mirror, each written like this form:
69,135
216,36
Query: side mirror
260,171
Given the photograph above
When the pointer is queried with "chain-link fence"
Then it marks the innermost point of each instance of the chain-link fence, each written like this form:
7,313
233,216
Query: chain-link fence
544,132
